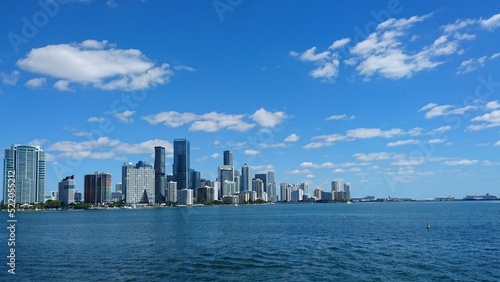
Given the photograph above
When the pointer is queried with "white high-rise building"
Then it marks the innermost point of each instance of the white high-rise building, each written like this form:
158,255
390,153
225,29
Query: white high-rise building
138,183
67,190
347,190
171,192
185,197
25,165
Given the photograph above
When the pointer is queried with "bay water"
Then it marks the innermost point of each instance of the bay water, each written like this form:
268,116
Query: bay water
278,242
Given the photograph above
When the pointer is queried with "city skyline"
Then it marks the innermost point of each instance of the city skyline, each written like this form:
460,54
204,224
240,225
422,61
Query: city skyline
398,98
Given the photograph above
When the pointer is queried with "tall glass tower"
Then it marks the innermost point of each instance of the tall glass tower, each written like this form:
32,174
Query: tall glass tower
159,174
27,163
180,168
228,158
246,178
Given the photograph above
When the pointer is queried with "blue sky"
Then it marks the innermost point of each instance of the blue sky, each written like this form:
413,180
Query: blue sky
400,99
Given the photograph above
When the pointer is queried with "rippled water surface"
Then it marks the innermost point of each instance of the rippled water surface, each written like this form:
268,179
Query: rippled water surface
281,242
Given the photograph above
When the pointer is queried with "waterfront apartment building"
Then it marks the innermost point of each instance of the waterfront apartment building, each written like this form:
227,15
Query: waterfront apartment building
171,191
67,190
26,164
138,183
97,188
185,197
181,165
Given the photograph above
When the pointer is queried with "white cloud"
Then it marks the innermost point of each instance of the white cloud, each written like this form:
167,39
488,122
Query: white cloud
471,65
209,122
460,162
325,140
340,117
250,152
125,116
9,79
326,70
373,132
204,158
37,142
36,82
497,143
104,148
274,145
434,110
299,171
339,43
457,25
292,138
491,23
436,141
310,55
493,105
494,56
98,64
95,119
313,165
62,85
268,119
441,129
184,67
491,119
373,156
403,142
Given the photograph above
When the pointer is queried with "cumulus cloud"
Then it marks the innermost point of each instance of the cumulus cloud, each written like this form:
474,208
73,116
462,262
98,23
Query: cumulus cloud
9,79
125,116
36,82
95,119
62,85
96,63
386,52
292,138
104,148
268,119
488,120
209,122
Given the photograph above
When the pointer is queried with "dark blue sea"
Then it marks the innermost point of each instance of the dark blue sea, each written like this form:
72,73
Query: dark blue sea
281,242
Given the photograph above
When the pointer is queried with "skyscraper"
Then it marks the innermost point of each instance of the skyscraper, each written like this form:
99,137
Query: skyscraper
246,178
27,164
138,183
271,187
97,188
347,190
263,177
159,174
67,190
228,158
180,168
